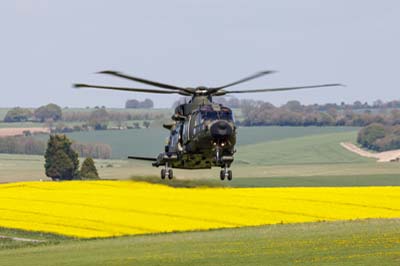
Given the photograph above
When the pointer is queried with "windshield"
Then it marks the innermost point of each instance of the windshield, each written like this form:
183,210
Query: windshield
213,115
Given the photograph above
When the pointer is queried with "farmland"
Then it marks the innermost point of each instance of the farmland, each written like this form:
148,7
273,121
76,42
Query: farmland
278,170
367,243
263,152
115,208
151,141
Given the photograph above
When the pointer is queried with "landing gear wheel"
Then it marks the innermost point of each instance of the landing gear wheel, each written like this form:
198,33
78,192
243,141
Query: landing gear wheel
222,175
170,174
163,173
229,175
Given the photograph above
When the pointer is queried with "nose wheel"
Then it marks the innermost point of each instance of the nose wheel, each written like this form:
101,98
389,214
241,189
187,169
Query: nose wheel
225,173
167,173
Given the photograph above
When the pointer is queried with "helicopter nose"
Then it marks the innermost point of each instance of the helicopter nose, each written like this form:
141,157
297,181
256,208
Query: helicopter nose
221,129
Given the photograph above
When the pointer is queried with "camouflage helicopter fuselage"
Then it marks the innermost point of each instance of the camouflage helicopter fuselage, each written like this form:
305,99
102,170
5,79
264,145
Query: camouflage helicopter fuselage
202,135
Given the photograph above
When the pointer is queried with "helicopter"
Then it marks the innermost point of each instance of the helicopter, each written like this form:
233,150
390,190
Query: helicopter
202,133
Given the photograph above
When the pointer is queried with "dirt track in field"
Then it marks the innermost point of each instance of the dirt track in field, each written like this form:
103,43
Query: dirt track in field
386,156
6,132
21,239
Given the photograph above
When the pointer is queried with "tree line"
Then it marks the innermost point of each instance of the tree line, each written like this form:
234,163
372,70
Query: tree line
293,113
33,146
98,119
41,114
254,113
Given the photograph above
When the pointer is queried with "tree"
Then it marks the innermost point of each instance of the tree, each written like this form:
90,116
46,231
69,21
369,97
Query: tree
146,124
61,161
132,103
136,125
147,104
88,169
368,135
48,112
18,114
99,119
293,106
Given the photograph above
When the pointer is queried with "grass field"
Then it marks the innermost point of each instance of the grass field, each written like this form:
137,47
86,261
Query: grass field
367,243
16,167
311,149
150,142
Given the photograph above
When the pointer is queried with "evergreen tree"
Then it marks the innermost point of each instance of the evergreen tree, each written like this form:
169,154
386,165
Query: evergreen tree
88,169
61,161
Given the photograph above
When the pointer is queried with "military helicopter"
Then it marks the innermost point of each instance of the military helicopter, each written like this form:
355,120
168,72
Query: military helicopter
202,132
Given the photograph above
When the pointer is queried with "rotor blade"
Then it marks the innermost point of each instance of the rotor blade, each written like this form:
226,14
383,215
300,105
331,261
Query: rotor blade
130,89
254,76
142,158
278,89
144,81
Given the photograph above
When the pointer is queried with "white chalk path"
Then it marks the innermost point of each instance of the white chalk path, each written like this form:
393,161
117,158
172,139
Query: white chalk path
21,239
385,156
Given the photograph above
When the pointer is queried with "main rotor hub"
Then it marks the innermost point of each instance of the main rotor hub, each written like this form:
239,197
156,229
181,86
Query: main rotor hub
201,90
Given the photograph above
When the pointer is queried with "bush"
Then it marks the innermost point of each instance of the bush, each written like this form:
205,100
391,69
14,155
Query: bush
88,169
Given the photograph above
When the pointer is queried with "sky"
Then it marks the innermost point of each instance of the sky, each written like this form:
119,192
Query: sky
46,46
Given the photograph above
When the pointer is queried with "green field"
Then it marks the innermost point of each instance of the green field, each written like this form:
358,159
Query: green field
150,142
370,242
279,152
319,181
321,148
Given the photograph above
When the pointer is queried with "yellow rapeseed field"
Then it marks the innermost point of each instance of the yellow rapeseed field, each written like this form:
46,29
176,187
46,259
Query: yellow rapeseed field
114,208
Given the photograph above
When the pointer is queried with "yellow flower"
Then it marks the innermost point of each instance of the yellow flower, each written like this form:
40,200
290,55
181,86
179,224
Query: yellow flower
114,208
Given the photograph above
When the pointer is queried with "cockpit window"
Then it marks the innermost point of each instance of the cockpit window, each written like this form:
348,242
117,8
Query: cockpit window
226,116
213,115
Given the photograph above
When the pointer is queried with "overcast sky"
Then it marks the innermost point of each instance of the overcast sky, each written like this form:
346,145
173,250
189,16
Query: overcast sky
48,45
